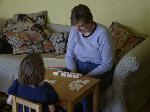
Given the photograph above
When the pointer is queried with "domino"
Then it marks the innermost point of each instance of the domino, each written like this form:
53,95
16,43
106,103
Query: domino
78,84
55,73
51,82
67,74
63,74
78,74
75,76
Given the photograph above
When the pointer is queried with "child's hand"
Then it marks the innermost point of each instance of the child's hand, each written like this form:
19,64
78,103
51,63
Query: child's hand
10,100
51,108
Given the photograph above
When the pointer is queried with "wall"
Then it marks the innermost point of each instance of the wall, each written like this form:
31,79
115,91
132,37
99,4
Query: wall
133,13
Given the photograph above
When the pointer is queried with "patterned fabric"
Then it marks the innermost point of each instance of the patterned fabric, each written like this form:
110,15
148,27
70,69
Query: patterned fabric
39,17
123,40
128,65
27,33
27,42
9,25
24,25
59,41
48,46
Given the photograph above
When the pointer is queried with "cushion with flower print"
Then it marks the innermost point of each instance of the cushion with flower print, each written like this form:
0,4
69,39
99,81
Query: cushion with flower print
59,41
123,40
26,42
37,17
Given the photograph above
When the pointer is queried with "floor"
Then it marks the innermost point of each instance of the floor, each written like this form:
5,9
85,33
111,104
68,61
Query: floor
146,108
6,108
3,106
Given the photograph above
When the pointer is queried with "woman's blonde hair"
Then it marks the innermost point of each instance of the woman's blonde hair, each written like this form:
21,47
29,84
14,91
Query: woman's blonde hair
32,70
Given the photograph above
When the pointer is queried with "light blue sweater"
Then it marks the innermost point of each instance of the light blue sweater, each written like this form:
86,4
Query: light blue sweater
96,48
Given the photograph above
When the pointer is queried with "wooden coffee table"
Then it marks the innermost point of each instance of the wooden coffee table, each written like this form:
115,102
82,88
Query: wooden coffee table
69,98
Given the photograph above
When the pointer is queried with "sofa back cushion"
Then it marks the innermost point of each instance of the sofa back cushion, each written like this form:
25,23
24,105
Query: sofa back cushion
123,40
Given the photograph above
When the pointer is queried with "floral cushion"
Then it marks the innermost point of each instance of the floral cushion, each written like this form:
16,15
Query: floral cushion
123,40
48,46
24,22
38,17
25,42
25,25
9,25
25,30
59,41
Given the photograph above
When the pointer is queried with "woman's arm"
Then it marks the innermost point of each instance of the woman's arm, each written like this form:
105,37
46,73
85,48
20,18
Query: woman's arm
70,55
107,55
10,100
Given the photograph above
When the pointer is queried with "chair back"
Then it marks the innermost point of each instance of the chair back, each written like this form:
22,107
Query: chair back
31,105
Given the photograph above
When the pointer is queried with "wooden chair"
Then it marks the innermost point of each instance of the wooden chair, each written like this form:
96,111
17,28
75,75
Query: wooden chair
16,101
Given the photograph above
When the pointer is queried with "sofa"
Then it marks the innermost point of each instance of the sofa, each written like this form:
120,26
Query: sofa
131,80
130,89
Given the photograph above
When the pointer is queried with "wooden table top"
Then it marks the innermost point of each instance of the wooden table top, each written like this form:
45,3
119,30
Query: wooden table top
61,86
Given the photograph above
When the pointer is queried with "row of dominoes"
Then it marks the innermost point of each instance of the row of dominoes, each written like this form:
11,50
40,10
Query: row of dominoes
67,74
50,81
78,84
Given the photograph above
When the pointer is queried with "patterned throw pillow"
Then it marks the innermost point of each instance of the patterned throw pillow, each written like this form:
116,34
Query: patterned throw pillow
48,46
123,40
24,22
27,33
25,42
9,25
59,41
38,17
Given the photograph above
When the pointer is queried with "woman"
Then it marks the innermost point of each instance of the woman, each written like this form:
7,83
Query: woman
89,47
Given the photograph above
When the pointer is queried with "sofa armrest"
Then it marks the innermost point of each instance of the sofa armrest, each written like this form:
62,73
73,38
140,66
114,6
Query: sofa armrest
132,77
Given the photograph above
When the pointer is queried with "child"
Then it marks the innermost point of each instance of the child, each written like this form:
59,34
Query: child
31,86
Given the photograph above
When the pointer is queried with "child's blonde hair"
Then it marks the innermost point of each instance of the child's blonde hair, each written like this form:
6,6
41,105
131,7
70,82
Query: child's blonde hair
32,70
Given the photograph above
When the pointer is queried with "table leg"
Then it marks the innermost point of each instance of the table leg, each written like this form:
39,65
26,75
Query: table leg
69,107
96,99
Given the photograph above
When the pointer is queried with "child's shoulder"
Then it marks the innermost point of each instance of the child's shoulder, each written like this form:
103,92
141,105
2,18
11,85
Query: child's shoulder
16,82
13,88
